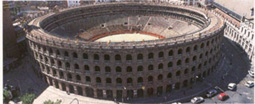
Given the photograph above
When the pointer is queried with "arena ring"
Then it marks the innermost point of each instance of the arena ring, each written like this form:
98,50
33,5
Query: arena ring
187,48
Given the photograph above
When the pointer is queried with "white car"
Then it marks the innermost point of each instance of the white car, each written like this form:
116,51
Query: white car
211,93
232,86
196,100
251,73
249,84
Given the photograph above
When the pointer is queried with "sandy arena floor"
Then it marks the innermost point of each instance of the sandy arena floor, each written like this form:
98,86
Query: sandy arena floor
126,37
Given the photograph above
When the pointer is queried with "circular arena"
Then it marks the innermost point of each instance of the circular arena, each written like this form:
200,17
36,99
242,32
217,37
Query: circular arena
126,50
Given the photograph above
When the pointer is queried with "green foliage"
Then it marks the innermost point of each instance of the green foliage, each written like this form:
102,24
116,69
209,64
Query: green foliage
52,102
27,98
6,94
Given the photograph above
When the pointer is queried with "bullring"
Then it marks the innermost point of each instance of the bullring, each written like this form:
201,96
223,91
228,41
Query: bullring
64,45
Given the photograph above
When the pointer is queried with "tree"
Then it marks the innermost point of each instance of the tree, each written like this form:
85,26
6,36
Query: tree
52,102
27,98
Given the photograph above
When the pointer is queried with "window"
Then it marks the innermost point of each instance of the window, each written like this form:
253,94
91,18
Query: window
170,64
108,80
129,69
150,67
195,48
78,77
194,58
107,69
75,55
150,56
97,68
187,49
187,60
98,80
160,54
88,79
160,66
169,75
106,57
129,80
66,54
180,51
129,57
67,65
76,66
118,80
140,56
86,67
186,71
117,57
140,80
96,57
170,53
178,73
202,46
150,78
160,77
50,51
140,68
59,64
118,69
179,62
85,56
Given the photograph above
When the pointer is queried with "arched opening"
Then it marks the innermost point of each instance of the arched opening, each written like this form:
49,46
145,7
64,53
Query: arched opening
177,86
179,51
170,53
86,67
75,55
119,81
129,69
179,63
63,86
98,80
71,89
99,93
160,66
150,79
140,80
187,49
117,57
69,77
160,90
130,93
161,54
150,67
129,81
106,57
78,78
85,56
170,64
96,57
118,69
79,89
76,66
140,93
150,56
97,68
169,75
185,83
169,88
140,68
109,94
108,80
140,56
107,69
186,71
89,92
128,57
178,73
66,54
88,79
150,91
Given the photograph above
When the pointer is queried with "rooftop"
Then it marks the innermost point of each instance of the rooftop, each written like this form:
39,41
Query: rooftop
241,7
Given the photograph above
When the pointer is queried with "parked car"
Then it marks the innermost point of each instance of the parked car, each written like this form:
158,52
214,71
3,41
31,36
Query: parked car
249,84
251,73
232,86
222,96
197,100
211,93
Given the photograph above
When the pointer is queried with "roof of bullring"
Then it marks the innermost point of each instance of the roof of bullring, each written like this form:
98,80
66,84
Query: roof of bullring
241,7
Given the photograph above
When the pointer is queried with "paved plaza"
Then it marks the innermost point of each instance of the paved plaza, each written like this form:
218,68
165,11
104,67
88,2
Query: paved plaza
233,67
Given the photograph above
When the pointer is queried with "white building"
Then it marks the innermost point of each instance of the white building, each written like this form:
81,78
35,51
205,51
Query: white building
71,3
